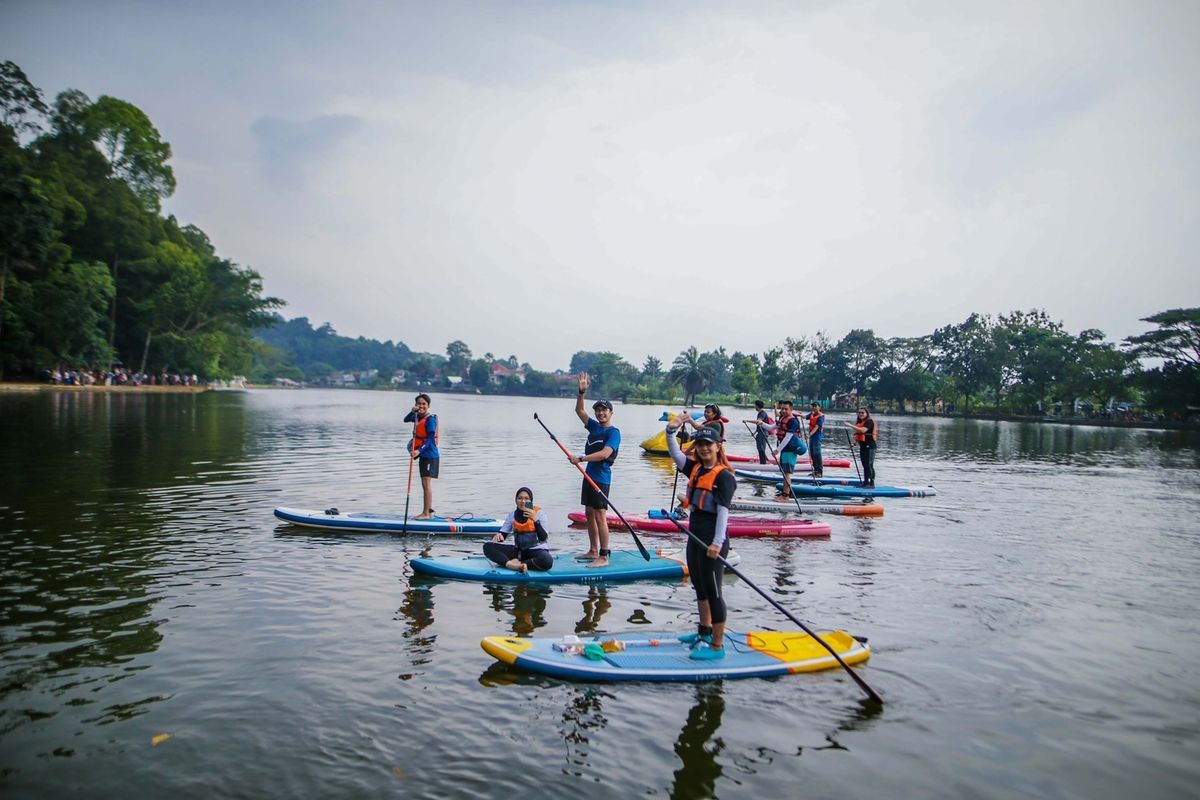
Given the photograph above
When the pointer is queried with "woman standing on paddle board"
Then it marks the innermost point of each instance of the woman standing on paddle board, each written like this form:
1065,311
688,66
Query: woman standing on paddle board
710,490
866,435
528,550
603,442
425,447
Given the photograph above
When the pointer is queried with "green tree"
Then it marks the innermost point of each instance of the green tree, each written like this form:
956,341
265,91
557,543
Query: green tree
133,147
691,372
459,356
1177,338
970,354
652,368
20,101
745,375
479,373
1037,352
1175,386
772,373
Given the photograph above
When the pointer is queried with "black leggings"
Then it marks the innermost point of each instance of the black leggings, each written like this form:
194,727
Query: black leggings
706,576
867,456
500,553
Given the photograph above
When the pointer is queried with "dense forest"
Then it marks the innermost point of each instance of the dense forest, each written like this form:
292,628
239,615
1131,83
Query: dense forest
93,277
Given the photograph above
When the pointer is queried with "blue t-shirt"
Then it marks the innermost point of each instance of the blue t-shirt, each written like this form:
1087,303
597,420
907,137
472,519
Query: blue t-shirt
815,436
598,439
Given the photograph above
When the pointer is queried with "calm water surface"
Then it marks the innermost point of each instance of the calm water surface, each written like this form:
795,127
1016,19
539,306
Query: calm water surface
1034,625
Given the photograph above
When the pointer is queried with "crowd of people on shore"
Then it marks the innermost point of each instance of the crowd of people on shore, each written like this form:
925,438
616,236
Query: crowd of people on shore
118,376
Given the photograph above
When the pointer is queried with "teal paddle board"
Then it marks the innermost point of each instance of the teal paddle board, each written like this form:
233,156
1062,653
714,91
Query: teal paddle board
642,656
623,565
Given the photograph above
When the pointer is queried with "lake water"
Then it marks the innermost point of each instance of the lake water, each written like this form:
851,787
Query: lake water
1034,625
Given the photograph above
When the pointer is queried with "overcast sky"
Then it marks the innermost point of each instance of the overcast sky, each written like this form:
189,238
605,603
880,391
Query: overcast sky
538,178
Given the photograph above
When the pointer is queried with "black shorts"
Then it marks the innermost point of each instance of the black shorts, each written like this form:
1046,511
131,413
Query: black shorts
590,498
428,467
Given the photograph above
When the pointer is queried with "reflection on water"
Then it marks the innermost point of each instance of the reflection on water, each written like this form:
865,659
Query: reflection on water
698,746
594,608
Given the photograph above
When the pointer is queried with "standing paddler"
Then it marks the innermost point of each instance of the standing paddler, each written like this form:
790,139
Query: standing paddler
603,443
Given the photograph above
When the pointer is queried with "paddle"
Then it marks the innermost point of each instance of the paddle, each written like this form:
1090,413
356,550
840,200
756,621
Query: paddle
754,432
853,455
408,494
786,477
674,488
588,478
862,684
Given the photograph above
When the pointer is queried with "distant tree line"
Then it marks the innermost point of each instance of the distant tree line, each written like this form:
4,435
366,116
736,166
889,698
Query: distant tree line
91,273
1018,363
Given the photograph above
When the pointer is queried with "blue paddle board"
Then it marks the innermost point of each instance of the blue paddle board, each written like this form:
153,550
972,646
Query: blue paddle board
642,656
361,521
623,565
816,490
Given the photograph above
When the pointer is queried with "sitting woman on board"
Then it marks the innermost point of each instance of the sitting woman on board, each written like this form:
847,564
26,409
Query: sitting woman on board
528,549
710,490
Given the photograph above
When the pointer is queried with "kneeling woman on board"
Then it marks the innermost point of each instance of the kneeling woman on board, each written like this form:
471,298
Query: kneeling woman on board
528,550
710,490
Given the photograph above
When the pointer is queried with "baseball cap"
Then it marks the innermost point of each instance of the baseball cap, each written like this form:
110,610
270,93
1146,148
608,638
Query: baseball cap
706,435
602,404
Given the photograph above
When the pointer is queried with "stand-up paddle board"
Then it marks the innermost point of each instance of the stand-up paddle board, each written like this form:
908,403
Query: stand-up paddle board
362,521
642,656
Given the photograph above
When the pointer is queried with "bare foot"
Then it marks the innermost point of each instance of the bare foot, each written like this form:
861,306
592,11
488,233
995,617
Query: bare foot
425,515
588,556
783,498
599,562
523,569
514,564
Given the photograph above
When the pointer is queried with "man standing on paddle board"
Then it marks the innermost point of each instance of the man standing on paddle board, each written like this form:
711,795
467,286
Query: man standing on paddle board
761,417
603,443
816,433
425,447
710,491
791,446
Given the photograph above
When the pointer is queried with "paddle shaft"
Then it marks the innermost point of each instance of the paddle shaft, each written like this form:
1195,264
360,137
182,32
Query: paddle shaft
857,679
408,493
641,547
853,455
788,482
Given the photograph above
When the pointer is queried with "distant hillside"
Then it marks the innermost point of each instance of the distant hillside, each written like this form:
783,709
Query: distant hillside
294,346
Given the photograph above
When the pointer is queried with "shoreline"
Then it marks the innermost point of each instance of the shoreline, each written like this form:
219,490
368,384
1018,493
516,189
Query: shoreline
16,387
1164,425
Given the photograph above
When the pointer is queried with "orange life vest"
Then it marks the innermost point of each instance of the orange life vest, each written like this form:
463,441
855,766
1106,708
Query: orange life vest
529,525
862,437
420,437
813,421
700,490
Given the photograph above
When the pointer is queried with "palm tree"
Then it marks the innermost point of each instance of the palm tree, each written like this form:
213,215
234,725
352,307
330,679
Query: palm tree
691,372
